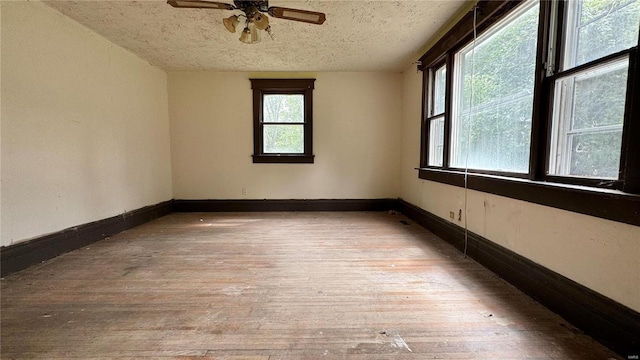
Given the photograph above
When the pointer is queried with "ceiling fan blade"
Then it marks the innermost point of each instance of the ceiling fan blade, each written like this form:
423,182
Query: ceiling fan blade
310,17
200,4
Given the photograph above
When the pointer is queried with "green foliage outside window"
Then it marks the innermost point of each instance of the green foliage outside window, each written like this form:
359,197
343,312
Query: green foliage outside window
288,135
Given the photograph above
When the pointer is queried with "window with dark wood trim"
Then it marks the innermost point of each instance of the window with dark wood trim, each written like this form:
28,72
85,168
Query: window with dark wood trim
542,105
282,120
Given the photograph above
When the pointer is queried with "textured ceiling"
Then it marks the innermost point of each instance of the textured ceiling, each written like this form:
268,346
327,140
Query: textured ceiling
357,35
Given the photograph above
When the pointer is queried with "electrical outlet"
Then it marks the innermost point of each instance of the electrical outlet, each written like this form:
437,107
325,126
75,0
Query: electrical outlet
452,215
459,214
244,191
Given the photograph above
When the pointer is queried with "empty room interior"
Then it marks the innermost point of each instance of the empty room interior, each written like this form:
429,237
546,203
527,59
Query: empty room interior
320,179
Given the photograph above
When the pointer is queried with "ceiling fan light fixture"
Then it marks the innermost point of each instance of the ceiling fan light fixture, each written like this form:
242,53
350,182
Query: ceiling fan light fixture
255,15
261,20
270,32
231,23
245,37
255,33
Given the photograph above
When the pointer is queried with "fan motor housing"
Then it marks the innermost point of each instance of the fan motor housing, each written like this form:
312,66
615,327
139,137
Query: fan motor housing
261,5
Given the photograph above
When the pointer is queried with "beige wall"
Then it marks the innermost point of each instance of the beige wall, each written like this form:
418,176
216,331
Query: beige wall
356,139
600,254
85,135
85,130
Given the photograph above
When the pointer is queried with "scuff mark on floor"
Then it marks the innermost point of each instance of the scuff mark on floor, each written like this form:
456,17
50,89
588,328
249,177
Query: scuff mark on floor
394,338
498,320
234,290
399,342
385,342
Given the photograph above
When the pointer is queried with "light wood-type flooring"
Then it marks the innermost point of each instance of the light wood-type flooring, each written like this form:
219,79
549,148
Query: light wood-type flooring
258,286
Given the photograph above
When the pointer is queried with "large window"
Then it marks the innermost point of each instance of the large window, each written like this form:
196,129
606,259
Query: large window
282,118
587,121
527,96
589,103
493,95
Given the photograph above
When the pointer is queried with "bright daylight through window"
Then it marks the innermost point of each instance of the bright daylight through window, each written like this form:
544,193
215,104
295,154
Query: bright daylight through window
436,127
283,128
589,104
493,95
544,91
282,113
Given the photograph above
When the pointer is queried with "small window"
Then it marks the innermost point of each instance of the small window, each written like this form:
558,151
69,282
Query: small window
435,121
282,119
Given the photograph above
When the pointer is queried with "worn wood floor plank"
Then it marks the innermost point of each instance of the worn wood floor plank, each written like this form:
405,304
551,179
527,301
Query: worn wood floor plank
265,286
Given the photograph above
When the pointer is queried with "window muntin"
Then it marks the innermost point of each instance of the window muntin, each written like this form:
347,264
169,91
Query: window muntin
493,95
587,121
597,28
282,120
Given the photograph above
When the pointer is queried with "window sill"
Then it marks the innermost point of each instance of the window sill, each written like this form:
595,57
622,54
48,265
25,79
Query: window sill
283,159
603,203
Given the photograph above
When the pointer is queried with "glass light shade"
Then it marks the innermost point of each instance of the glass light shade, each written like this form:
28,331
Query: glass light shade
255,33
245,37
261,20
231,23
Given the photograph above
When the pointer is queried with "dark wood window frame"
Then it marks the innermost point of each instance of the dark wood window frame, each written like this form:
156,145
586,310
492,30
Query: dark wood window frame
617,200
263,87
429,107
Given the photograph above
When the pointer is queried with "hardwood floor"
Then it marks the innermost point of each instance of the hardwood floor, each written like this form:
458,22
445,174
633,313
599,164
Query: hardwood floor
258,286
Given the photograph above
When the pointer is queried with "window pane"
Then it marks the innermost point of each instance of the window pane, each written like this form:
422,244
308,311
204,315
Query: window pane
595,155
493,96
288,139
436,141
439,83
596,28
283,108
587,122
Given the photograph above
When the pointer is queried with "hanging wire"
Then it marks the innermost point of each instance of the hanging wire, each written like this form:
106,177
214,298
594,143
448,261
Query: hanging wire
466,162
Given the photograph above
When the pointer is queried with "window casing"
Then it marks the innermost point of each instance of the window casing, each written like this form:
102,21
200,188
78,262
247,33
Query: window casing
562,105
282,120
436,108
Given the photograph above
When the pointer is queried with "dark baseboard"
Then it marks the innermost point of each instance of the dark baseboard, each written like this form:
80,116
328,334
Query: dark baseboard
284,205
607,321
22,255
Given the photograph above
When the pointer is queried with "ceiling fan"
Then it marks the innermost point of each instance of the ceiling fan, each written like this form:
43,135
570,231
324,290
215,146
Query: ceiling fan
255,14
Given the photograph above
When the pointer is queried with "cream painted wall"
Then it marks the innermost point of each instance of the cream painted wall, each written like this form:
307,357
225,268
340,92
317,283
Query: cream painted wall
85,129
600,254
356,139
84,135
